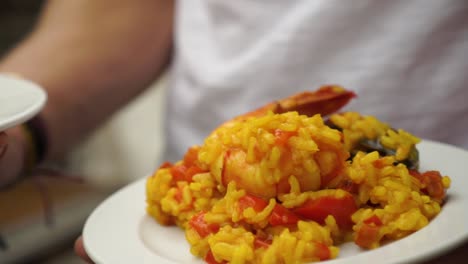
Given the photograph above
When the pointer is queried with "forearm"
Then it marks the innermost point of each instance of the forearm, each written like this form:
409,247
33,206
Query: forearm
92,57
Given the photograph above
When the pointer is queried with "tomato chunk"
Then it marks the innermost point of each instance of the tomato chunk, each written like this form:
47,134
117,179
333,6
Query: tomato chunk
282,137
184,173
257,203
179,194
432,183
191,156
210,259
192,171
282,216
367,236
178,172
165,165
340,208
322,251
198,223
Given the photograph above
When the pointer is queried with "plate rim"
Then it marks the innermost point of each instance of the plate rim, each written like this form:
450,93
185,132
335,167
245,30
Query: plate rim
29,111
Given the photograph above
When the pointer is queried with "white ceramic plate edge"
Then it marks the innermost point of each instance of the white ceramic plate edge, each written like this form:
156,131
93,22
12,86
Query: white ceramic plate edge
32,109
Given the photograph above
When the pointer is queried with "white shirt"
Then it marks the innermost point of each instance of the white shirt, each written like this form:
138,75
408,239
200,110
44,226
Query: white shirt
406,60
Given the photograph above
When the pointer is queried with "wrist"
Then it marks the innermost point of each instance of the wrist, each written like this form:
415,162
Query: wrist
12,163
26,148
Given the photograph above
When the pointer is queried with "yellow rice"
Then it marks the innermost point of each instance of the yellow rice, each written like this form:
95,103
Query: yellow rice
384,188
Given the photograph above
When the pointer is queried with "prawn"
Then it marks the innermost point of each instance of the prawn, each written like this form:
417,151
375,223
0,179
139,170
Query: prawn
261,149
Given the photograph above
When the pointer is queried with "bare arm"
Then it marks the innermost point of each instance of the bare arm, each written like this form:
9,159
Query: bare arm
92,57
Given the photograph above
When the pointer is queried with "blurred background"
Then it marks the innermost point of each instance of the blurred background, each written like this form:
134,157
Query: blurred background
123,150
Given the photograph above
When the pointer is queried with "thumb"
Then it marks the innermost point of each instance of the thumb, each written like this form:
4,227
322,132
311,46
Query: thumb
80,251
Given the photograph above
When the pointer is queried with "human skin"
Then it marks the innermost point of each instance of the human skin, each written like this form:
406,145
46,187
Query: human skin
91,57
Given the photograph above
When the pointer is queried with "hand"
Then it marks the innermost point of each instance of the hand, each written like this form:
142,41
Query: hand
80,251
12,149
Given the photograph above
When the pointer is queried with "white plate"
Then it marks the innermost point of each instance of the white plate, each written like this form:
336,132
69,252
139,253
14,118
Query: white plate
120,231
19,101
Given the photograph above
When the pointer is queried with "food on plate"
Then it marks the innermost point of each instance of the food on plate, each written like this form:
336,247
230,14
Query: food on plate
291,181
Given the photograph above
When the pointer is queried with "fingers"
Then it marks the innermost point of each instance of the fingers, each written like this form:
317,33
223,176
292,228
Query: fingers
80,251
3,143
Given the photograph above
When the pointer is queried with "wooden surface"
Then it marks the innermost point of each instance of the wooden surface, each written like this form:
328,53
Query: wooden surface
26,234
24,201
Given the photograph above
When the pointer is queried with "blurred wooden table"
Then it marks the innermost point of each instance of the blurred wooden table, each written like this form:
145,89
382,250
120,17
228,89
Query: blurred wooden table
25,232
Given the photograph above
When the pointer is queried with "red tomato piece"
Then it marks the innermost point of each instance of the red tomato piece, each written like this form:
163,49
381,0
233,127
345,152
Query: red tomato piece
367,236
379,164
322,251
165,165
257,203
340,208
198,223
282,216
184,173
210,259
178,172
283,186
282,137
191,156
178,194
435,188
432,182
192,171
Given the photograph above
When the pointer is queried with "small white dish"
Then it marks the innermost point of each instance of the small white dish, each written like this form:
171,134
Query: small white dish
120,231
20,100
